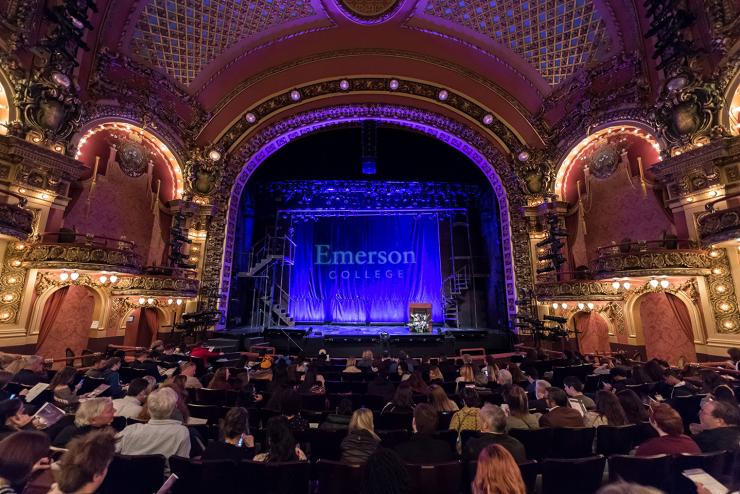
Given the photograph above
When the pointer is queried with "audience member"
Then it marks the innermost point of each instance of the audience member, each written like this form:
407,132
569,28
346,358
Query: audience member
559,413
143,362
435,375
381,386
497,473
281,445
361,441
672,386
417,384
131,405
32,372
423,448
671,440
312,382
220,380
21,455
608,411
504,378
573,387
467,376
351,368
60,387
188,369
385,474
439,400
107,370
12,417
367,361
84,465
734,362
517,405
237,443
492,422
720,427
292,412
161,434
95,413
402,402
467,418
540,396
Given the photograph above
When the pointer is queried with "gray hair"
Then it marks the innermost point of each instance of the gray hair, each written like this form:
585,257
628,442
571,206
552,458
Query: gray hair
505,376
89,409
161,403
627,488
493,417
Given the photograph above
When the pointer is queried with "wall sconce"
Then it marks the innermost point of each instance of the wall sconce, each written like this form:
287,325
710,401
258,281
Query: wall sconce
170,301
625,284
113,278
74,275
103,279
150,301
142,300
64,276
664,283
178,301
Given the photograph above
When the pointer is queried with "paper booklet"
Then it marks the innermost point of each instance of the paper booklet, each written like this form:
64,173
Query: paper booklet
34,392
97,391
578,405
47,416
197,421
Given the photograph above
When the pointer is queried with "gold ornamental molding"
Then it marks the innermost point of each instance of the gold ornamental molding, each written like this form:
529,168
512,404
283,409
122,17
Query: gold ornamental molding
577,290
719,226
12,280
157,286
16,221
679,262
81,256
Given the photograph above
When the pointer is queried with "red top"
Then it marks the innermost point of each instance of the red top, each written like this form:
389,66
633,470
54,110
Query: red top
669,445
203,352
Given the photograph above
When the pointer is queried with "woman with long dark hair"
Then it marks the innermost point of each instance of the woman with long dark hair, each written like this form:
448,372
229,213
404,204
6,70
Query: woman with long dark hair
59,385
608,411
281,445
22,454
402,402
312,382
220,380
518,416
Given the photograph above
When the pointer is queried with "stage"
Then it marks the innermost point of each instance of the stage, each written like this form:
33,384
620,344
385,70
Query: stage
351,340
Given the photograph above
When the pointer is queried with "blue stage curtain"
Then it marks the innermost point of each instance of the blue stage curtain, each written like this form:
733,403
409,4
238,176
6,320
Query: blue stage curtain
349,289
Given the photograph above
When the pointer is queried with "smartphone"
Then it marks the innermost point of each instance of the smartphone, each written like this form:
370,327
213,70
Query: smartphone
12,396
240,443
699,476
167,486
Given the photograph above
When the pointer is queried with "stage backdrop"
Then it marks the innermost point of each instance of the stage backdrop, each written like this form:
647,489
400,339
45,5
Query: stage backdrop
362,269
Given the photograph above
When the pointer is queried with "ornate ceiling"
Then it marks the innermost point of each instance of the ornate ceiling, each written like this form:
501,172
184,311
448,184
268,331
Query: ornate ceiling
182,37
555,37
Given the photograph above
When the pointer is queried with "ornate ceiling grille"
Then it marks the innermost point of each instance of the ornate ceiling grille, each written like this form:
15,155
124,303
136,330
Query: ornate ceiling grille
182,37
556,37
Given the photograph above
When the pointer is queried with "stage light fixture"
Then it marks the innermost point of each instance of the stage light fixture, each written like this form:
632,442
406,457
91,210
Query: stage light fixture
393,84
488,119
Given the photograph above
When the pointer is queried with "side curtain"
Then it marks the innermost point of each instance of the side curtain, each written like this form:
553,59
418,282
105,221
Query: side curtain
51,312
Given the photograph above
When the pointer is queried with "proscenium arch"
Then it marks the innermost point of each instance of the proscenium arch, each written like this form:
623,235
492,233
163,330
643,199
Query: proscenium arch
477,147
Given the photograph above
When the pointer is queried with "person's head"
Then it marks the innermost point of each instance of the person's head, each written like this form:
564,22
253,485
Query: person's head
435,374
540,389
518,402
715,414
516,373
95,412
152,381
497,473
572,386
344,407
34,363
438,398
710,380
634,410
724,392
138,388
280,441
362,419
734,354
140,355
157,346
402,368
19,452
666,420
467,374
351,361
367,355
385,473
10,409
179,382
556,397
221,375
607,405
654,370
504,378
113,364
622,487
425,419
671,377
62,378
85,464
187,369
403,396
235,423
470,397
161,403
492,419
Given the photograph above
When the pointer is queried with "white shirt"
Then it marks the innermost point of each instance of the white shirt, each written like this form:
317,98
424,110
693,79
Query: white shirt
156,437
128,406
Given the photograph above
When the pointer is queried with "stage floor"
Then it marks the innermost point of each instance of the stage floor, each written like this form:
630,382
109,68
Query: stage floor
332,330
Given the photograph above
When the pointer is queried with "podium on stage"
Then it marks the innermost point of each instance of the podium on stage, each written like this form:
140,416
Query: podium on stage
420,315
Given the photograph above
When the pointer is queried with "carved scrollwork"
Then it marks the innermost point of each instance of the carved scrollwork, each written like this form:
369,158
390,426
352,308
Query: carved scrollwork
157,286
204,174
580,290
649,263
15,221
80,256
719,226
614,312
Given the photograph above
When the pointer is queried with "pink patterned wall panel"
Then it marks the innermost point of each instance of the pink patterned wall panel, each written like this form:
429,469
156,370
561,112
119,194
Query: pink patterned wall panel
664,337
594,331
72,326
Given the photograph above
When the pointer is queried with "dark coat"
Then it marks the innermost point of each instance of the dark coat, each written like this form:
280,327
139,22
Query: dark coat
425,449
358,446
719,439
475,445
562,417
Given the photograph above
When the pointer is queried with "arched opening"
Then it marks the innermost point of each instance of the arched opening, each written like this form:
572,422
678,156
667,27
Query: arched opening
66,320
666,324
593,332
143,325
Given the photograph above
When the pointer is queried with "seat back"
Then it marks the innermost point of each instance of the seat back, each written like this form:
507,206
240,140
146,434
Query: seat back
438,478
572,442
645,470
206,396
537,442
450,437
529,471
688,407
274,478
713,463
141,474
390,439
615,440
390,421
212,413
444,420
572,476
188,475
334,477
322,443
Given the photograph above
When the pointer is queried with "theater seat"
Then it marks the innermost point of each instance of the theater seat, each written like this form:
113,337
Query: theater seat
437,478
273,478
615,440
390,439
572,476
537,442
143,474
206,396
334,477
212,413
713,463
646,470
572,442
197,477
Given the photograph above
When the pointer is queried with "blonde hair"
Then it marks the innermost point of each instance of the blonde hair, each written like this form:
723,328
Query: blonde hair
367,355
497,473
435,373
439,400
362,419
89,410
351,361
467,373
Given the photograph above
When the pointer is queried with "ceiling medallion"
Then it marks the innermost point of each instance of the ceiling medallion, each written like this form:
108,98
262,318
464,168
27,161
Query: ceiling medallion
604,161
369,11
132,156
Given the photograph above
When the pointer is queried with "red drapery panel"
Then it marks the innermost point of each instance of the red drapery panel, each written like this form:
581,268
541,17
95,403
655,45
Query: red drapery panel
51,311
148,326
682,315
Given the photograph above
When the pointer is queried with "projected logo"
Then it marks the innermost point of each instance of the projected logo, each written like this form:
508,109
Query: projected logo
363,264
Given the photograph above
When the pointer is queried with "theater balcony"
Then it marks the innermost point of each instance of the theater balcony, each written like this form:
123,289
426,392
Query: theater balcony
721,222
67,250
159,282
15,220
669,257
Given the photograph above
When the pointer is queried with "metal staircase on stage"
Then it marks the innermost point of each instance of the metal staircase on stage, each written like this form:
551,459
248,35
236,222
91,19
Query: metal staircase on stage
458,287
454,288
270,262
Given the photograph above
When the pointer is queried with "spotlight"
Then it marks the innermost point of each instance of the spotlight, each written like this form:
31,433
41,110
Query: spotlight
393,84
295,95
214,155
